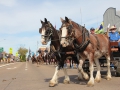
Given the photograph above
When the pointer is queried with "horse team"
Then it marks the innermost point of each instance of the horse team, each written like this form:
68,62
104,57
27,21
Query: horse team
75,41
44,57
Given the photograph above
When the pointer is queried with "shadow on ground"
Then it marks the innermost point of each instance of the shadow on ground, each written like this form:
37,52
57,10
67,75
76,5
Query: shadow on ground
74,78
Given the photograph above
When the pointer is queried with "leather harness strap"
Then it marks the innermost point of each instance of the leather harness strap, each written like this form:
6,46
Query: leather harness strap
85,41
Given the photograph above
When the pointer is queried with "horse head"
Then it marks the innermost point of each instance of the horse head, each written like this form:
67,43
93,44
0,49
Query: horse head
46,31
71,32
67,32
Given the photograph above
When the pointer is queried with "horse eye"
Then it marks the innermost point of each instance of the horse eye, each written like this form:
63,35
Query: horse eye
47,31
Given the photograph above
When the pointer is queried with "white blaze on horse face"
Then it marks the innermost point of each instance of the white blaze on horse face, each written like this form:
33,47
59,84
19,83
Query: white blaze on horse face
63,39
42,36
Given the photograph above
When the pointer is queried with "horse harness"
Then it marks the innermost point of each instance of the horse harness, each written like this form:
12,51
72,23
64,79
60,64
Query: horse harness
85,40
50,32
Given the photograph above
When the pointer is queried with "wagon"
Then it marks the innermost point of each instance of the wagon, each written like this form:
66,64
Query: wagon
115,60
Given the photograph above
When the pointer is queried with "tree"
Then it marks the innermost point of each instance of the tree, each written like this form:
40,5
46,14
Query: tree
22,51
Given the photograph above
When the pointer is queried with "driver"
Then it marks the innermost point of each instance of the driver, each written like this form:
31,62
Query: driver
114,36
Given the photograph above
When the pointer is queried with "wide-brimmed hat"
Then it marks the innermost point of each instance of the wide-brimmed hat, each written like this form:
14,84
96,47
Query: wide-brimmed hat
113,27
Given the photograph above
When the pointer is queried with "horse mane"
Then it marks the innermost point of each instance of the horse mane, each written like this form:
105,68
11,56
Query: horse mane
55,32
77,25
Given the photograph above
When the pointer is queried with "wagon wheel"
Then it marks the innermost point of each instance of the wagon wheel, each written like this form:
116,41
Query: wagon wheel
118,69
86,67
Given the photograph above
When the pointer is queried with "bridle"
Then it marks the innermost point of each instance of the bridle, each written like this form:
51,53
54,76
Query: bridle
49,33
71,33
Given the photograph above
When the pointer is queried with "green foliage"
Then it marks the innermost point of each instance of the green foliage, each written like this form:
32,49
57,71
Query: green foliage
22,51
1,49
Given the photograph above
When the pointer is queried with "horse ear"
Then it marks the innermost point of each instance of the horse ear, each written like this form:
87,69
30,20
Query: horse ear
66,19
41,21
61,20
45,20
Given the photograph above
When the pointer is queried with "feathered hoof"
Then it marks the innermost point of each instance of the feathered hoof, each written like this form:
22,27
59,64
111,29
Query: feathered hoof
97,80
51,84
90,84
86,77
108,78
66,82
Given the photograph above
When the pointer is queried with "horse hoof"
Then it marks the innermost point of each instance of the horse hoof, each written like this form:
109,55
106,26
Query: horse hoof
66,82
108,78
97,80
90,84
51,84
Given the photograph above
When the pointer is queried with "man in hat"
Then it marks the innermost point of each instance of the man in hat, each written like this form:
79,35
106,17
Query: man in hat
114,35
92,30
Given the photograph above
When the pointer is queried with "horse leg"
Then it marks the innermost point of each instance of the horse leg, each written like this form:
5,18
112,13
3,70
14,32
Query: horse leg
81,74
91,68
98,75
50,63
54,79
67,79
43,61
39,61
108,77
53,61
70,63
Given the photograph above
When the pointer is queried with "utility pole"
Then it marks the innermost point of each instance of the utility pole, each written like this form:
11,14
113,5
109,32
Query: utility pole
81,15
37,47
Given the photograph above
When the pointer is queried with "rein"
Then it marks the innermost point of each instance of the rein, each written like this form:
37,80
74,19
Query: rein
51,33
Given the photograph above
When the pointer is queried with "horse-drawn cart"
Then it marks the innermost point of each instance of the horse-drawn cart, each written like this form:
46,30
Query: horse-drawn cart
115,60
115,55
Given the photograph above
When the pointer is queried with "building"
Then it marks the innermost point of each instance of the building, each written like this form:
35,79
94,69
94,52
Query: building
112,17
43,48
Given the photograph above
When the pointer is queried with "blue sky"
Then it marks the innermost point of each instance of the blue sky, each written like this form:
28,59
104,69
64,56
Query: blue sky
20,19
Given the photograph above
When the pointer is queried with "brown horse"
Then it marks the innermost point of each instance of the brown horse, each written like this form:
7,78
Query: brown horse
88,46
40,59
34,60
